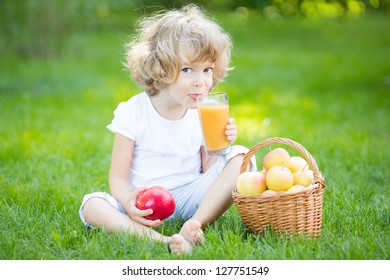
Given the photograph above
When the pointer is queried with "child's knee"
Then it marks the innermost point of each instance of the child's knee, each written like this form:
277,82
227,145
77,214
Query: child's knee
238,153
89,204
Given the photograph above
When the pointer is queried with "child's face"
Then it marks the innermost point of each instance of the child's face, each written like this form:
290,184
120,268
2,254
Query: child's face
195,79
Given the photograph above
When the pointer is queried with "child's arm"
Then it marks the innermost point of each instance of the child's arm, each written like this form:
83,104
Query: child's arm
207,161
120,187
231,135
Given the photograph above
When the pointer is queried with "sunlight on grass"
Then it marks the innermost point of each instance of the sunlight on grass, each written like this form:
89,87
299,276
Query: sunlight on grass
273,115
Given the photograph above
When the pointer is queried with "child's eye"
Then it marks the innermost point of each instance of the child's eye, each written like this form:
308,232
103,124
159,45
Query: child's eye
186,70
208,70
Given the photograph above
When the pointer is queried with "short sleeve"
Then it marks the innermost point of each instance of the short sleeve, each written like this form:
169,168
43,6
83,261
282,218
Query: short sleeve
125,121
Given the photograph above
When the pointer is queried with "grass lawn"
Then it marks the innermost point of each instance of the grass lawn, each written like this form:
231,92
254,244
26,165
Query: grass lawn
323,84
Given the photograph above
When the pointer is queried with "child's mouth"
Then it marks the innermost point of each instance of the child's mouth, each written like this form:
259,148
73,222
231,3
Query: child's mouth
194,96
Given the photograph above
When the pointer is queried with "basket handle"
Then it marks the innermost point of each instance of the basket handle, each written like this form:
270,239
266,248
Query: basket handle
318,178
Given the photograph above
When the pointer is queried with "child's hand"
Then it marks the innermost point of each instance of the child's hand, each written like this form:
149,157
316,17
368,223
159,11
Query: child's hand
139,215
231,131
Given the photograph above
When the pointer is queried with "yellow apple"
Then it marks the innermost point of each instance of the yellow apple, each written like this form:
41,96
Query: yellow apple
251,183
268,193
304,178
296,188
276,157
279,178
298,164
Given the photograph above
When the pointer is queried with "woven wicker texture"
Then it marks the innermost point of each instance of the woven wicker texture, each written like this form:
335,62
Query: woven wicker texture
296,213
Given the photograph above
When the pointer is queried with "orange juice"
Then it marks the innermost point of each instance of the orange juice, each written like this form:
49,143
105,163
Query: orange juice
214,118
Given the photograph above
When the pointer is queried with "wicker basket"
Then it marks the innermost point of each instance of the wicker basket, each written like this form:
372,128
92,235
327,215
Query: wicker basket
296,213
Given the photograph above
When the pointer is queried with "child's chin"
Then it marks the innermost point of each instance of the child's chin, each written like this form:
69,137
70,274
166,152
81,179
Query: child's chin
192,105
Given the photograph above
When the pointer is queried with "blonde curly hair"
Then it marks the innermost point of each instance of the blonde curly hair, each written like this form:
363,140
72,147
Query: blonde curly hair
168,40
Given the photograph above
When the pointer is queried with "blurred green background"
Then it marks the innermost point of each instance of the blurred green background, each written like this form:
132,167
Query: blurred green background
38,28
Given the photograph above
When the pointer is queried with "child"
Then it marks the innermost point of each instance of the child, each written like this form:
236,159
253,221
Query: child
179,56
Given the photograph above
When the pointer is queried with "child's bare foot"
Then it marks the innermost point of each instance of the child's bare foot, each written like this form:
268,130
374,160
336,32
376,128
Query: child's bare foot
192,231
178,245
190,235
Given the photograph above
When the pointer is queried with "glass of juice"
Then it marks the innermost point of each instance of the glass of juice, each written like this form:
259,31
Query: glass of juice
214,114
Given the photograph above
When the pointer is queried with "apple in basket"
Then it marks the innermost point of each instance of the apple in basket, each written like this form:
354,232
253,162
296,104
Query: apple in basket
304,178
276,157
268,193
251,182
298,163
159,199
279,178
296,188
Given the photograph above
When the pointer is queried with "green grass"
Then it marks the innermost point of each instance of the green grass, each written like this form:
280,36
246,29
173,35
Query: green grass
323,84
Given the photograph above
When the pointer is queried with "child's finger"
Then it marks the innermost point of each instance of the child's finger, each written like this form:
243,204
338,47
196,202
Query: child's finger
231,130
231,127
149,223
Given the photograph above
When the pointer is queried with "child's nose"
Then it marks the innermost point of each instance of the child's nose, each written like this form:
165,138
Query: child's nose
198,80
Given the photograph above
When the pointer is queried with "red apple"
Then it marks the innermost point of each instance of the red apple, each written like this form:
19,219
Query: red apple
276,157
279,178
159,199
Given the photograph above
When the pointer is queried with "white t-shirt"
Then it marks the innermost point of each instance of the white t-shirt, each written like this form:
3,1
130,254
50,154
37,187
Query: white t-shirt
166,153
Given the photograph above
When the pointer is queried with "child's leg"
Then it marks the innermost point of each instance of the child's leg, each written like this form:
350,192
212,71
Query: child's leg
217,200
219,196
100,214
